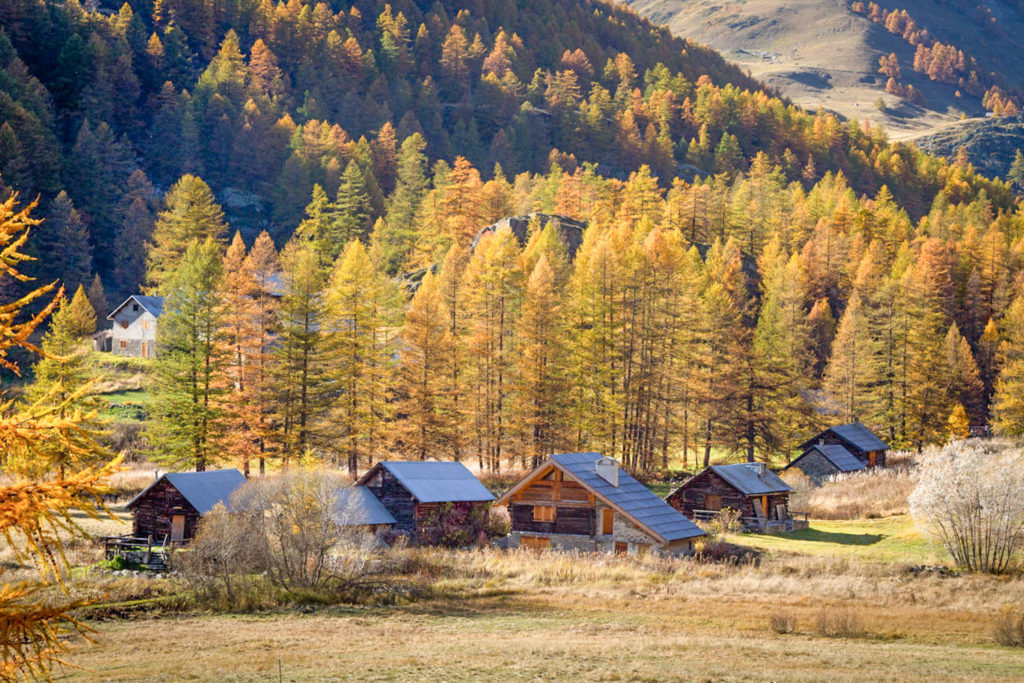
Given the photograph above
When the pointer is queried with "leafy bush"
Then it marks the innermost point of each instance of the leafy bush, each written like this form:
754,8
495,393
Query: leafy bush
839,623
782,622
1009,628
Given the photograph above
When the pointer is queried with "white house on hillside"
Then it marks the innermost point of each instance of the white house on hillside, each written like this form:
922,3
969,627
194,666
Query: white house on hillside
134,330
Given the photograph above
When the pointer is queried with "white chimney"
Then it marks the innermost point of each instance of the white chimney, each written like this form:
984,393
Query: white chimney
608,470
759,469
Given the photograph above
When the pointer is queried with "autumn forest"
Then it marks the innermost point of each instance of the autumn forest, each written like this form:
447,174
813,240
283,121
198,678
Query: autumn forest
704,268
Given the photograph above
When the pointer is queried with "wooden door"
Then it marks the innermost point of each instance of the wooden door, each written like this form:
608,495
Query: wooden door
712,502
535,542
621,548
607,521
178,528
145,349
758,509
871,458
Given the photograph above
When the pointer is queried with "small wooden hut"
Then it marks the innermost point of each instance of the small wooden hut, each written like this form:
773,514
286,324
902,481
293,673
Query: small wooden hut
431,502
170,508
761,497
855,438
582,501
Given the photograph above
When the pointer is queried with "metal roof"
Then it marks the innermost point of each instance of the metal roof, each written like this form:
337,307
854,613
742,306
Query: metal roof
438,482
844,460
202,490
153,304
630,497
356,506
751,478
855,434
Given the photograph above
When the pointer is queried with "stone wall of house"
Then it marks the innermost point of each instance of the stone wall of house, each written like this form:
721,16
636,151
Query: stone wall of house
133,331
816,466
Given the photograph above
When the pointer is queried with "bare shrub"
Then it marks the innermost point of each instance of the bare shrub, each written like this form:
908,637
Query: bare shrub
289,533
968,495
225,559
782,622
839,623
1009,628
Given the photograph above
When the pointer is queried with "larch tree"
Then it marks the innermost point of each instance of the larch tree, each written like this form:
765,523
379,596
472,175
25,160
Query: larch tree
190,214
301,382
236,292
410,188
34,509
844,380
493,285
189,375
1008,398
360,302
351,210
453,303
428,417
540,381
262,269
82,314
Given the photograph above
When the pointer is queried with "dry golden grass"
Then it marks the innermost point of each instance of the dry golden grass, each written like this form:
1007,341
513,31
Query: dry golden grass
868,493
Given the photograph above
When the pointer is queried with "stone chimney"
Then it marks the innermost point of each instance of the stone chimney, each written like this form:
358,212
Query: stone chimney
608,469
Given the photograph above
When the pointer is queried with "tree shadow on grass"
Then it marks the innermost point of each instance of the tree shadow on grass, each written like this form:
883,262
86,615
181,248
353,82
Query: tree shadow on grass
839,538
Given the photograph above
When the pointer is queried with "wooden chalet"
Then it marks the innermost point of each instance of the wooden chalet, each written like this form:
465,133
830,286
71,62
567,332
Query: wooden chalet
431,502
856,438
170,508
761,497
585,502
821,461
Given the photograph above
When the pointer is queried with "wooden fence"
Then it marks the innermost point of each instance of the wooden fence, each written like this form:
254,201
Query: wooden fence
139,551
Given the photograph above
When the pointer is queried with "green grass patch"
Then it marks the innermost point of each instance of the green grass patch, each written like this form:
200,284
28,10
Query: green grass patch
892,539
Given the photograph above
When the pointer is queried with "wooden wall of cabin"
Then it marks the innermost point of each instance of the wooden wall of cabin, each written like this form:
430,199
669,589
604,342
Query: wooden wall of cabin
396,498
693,495
154,511
575,507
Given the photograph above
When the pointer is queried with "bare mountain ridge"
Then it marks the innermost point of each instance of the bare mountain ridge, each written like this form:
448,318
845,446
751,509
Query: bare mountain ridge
822,53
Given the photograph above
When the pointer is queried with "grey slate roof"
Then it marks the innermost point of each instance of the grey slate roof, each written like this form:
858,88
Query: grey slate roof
356,506
844,460
630,497
439,482
746,478
202,490
855,434
153,304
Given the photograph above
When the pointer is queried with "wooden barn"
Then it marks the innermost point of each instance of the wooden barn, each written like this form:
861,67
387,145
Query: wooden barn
856,438
758,493
585,502
821,461
431,502
170,508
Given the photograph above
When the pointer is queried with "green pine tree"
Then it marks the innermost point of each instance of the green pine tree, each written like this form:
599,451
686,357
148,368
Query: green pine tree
190,214
189,371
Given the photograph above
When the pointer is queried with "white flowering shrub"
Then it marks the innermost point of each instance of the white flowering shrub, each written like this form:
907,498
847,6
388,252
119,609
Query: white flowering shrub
970,494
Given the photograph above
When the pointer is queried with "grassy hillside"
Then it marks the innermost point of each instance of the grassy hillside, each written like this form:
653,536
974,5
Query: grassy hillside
823,54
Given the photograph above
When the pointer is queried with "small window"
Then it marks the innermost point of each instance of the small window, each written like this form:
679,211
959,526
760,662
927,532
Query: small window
124,324
145,324
135,308
543,513
123,345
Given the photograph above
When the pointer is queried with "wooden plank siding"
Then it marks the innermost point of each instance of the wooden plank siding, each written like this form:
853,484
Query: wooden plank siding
709,491
153,513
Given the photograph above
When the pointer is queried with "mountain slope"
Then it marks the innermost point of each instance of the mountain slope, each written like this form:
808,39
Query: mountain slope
824,53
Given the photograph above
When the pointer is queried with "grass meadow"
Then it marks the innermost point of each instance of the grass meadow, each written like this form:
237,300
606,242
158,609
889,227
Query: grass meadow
860,598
